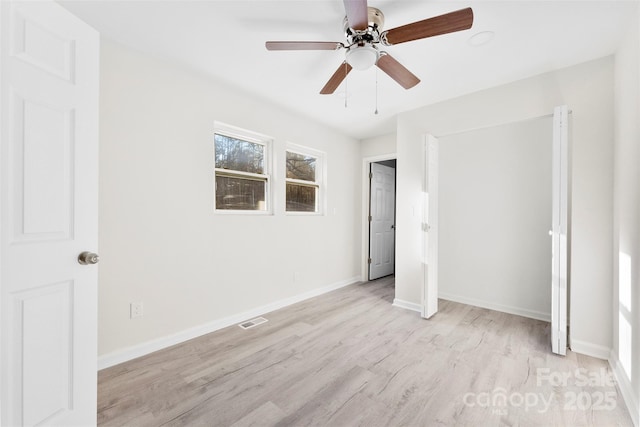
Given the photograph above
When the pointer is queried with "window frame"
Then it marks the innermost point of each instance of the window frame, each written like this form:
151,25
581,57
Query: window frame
319,183
254,138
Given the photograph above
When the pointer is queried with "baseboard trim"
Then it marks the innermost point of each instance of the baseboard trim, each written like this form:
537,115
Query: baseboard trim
538,315
589,349
624,384
142,349
407,305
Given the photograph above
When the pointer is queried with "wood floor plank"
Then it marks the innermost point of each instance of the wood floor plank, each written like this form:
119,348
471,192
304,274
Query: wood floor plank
266,414
349,358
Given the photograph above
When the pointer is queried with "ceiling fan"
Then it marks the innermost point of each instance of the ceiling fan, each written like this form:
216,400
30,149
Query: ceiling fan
363,29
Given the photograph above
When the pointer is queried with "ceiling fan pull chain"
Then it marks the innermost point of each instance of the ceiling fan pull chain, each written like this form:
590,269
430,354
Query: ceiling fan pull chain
376,112
346,83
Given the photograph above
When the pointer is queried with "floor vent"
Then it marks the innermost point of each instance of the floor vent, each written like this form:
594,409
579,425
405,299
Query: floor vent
253,322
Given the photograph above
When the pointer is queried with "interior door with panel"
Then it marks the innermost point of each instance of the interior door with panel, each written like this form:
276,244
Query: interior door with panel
430,228
559,230
382,221
49,209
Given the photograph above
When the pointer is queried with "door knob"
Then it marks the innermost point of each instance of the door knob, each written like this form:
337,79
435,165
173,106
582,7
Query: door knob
86,258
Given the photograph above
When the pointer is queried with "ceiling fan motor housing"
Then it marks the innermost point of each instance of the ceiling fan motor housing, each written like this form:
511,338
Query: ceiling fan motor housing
362,51
376,23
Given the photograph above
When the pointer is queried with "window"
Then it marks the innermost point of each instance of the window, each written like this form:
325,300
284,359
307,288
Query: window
241,170
304,176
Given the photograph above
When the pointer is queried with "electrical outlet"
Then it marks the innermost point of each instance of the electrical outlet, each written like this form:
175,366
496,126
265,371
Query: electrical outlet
137,309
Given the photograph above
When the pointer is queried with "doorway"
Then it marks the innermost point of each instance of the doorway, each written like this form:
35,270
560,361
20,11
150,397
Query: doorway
381,218
498,193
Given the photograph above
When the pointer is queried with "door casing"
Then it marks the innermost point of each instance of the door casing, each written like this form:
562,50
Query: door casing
366,166
383,222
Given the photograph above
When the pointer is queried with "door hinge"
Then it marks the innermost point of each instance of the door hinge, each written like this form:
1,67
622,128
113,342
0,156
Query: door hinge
370,175
370,218
369,261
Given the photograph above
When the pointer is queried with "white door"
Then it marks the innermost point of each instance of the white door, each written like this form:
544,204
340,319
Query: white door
49,151
382,221
559,191
430,228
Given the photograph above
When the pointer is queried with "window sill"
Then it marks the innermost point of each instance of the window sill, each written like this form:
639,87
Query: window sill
241,212
293,213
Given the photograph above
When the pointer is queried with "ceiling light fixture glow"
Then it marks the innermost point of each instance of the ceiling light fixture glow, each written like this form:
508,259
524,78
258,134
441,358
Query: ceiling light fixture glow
362,57
481,38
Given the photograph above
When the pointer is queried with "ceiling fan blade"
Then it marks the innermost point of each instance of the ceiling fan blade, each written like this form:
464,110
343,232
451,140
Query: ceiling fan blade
443,24
397,71
289,45
357,14
336,79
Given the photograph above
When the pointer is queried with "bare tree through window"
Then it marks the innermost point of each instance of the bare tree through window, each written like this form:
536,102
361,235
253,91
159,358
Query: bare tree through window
302,183
240,179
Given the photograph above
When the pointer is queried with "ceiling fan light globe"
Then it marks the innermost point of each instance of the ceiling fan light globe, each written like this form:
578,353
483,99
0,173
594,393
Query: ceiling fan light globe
362,57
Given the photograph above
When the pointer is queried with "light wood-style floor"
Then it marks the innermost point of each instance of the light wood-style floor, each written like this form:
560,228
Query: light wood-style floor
350,358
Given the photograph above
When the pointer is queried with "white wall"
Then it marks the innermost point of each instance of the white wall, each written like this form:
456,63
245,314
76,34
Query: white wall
495,214
378,146
161,243
626,248
588,90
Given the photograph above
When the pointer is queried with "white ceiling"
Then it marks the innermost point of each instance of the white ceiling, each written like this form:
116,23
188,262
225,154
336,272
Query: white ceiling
226,39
